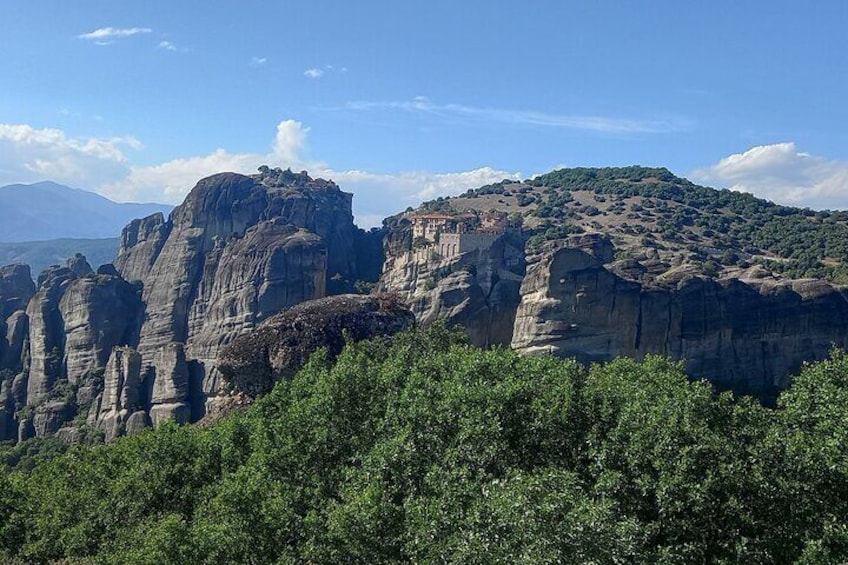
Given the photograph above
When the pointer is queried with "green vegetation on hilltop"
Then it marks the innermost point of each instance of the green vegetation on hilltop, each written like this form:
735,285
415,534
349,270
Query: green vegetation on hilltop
644,208
421,449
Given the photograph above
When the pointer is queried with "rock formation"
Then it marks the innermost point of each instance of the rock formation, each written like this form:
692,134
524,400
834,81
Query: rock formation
16,290
280,346
478,290
134,344
121,356
52,350
123,396
747,334
75,321
237,251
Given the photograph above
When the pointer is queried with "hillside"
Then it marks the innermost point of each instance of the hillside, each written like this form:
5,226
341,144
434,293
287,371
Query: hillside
46,211
664,222
602,263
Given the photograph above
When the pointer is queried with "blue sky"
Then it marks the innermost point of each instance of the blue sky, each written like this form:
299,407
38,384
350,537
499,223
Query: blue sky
399,101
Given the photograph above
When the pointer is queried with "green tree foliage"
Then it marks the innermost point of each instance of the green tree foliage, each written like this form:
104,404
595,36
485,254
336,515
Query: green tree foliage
813,244
419,448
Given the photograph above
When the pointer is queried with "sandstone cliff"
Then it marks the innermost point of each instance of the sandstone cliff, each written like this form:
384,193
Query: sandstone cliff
16,290
139,343
119,356
748,334
748,330
478,289
57,341
238,250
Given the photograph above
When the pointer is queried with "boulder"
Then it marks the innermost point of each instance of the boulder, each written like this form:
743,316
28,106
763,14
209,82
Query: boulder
50,416
280,346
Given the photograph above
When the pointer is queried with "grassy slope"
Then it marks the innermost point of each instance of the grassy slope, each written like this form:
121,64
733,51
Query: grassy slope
650,211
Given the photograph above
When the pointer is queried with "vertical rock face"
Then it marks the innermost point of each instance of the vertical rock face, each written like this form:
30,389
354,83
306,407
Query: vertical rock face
123,394
8,426
145,237
47,333
75,321
61,343
98,313
478,290
237,251
273,267
13,347
745,335
170,397
127,355
16,290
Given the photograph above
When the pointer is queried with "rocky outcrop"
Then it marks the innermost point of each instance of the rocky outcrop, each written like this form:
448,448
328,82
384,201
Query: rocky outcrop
478,289
8,425
170,397
237,251
274,266
124,395
98,312
75,321
47,332
13,348
748,335
281,345
53,352
50,416
123,355
16,290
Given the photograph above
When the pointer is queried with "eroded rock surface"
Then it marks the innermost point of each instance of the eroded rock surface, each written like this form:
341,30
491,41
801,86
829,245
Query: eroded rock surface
478,290
748,335
57,339
281,345
237,251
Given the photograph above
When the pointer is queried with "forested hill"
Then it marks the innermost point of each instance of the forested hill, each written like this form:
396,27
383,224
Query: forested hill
423,450
645,209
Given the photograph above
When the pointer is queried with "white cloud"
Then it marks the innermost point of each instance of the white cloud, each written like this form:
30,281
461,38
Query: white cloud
103,34
317,72
28,155
601,124
377,195
290,139
781,173
170,181
166,45
258,61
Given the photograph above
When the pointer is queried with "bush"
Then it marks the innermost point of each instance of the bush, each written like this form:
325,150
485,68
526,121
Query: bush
418,448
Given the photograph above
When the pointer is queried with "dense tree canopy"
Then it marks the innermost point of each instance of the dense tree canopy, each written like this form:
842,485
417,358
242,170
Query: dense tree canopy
422,449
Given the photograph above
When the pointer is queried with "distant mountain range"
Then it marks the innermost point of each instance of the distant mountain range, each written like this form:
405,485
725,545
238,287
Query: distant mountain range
41,254
47,211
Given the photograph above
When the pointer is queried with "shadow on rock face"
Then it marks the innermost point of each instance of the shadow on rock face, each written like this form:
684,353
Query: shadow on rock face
282,344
